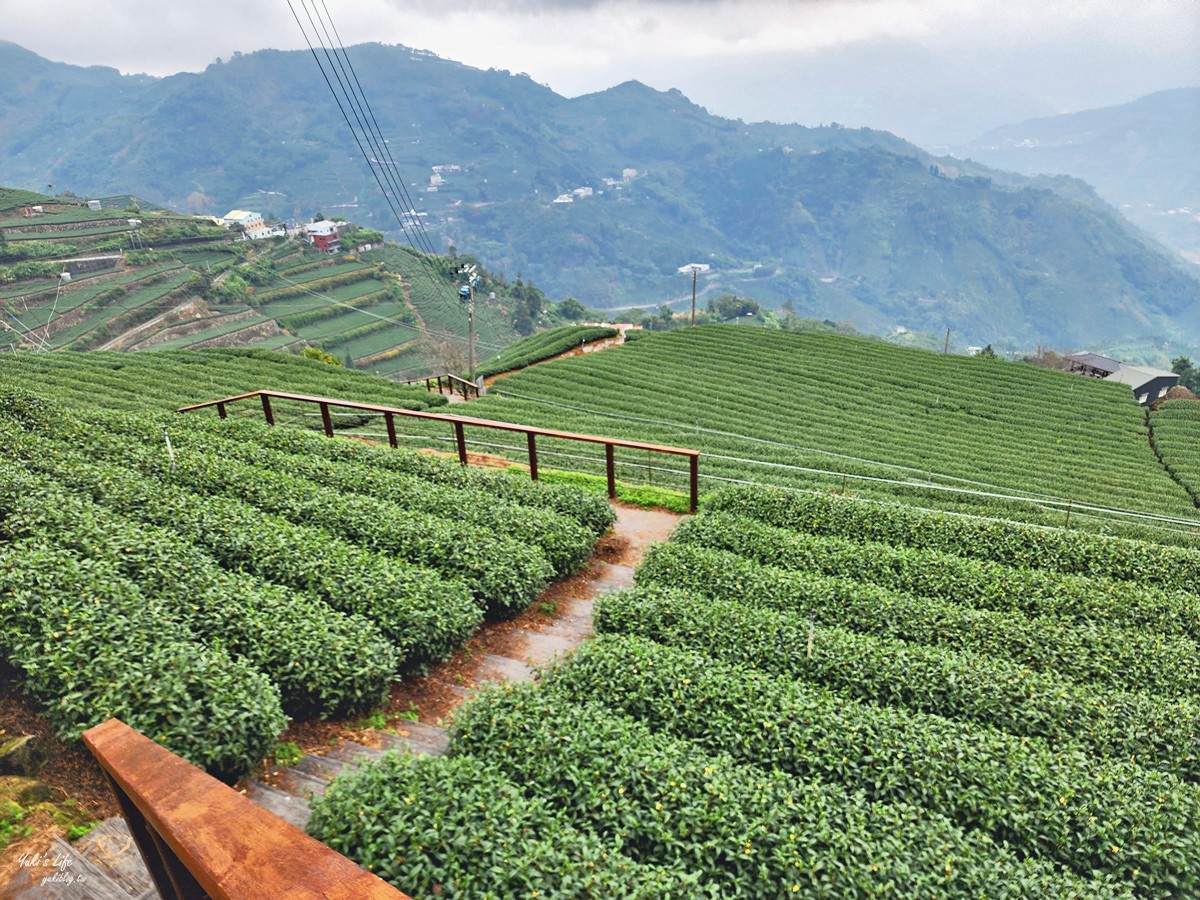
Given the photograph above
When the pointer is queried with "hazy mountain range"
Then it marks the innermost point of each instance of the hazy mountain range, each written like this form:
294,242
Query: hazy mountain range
605,196
1143,157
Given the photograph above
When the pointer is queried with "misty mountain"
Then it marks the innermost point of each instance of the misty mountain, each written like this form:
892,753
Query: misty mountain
605,196
1143,157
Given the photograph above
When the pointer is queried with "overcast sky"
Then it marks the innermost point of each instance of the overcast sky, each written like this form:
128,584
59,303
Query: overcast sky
937,71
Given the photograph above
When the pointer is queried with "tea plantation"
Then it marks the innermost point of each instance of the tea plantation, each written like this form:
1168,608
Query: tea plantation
809,695
204,580
543,345
839,692
859,416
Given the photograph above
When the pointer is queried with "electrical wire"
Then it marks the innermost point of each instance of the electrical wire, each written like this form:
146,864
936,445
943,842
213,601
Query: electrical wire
346,91
379,133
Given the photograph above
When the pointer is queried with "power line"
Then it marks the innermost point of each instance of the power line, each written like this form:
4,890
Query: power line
378,131
374,168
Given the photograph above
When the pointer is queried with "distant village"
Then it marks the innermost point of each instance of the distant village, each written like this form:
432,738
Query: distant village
325,235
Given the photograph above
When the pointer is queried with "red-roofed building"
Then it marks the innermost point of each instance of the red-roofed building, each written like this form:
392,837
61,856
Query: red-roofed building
323,235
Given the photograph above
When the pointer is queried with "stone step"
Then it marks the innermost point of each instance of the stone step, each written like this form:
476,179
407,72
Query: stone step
68,876
111,847
287,807
416,737
538,647
576,625
298,783
612,577
355,754
322,768
502,668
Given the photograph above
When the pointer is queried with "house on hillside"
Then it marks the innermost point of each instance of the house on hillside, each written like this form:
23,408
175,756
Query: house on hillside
323,235
1148,384
1092,364
251,223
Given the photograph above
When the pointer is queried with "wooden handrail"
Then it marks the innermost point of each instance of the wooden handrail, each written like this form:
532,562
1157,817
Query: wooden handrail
464,386
200,838
458,422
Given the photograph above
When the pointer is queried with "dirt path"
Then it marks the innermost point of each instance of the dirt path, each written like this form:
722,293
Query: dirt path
558,621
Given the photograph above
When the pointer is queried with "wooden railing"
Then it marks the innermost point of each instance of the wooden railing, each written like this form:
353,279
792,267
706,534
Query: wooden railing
200,838
466,388
459,424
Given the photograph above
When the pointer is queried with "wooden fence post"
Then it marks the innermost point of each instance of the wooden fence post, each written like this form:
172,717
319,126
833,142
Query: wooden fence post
391,427
462,442
694,479
266,404
325,420
611,469
221,411
532,442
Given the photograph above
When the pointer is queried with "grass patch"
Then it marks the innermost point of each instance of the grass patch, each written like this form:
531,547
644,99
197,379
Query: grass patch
287,753
28,807
645,496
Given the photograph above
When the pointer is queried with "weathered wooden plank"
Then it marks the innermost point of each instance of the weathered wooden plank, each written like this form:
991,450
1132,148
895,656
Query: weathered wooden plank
232,847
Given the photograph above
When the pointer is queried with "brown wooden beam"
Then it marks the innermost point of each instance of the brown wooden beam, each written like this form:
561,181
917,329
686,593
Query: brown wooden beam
442,417
326,420
230,848
461,440
266,405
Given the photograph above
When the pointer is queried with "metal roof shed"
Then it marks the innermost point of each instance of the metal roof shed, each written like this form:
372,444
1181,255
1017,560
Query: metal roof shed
1148,384
1093,364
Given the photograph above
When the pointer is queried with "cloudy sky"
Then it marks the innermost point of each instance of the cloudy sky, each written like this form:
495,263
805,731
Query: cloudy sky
937,71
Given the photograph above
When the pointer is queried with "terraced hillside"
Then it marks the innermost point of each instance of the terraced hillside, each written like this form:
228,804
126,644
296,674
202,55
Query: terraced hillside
165,380
806,693
144,278
849,414
544,345
204,580
815,696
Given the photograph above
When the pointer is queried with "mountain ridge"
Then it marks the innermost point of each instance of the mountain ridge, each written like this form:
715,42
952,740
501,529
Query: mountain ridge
605,196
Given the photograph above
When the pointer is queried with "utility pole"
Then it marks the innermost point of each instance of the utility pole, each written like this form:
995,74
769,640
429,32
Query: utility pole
946,346
693,296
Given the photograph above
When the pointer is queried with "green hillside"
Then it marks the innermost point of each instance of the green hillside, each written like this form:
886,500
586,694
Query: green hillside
202,579
1141,157
748,724
806,692
543,346
1176,437
802,410
152,279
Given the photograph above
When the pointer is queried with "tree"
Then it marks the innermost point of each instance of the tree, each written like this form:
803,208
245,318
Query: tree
728,307
570,308
1189,377
321,356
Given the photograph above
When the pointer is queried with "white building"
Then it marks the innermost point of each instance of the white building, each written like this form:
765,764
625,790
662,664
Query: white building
251,223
